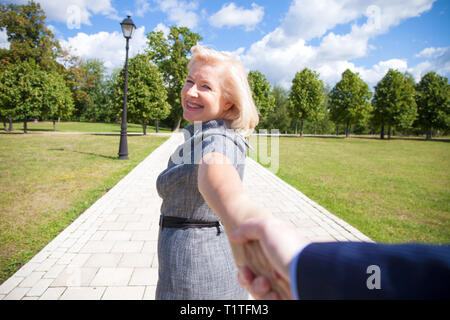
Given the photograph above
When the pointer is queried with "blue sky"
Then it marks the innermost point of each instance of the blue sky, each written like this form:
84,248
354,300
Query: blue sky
277,38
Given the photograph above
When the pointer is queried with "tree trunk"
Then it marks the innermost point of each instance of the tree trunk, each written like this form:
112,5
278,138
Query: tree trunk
337,131
382,132
157,125
25,126
429,134
301,128
347,129
144,127
10,124
296,127
176,125
315,129
389,132
54,125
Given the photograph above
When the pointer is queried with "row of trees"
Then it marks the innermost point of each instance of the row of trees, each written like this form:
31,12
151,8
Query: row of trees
398,103
39,80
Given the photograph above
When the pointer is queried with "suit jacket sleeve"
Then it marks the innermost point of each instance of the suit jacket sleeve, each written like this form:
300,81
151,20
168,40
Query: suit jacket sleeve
349,270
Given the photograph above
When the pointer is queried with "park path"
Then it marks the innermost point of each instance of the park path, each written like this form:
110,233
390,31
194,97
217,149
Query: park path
109,251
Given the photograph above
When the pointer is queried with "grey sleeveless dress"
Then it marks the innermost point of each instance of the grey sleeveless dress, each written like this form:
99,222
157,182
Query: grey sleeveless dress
197,263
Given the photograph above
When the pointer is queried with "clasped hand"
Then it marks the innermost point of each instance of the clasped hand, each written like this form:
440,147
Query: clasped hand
280,243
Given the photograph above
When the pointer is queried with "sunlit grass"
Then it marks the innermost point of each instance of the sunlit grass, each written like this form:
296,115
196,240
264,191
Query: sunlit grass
392,191
46,181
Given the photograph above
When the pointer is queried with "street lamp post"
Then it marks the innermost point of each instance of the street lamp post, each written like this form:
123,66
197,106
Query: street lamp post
128,28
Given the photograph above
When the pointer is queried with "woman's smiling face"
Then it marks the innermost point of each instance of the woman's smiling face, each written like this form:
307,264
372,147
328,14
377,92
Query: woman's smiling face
202,96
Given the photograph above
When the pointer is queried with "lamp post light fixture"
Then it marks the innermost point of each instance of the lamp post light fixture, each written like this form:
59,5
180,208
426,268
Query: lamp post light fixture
128,28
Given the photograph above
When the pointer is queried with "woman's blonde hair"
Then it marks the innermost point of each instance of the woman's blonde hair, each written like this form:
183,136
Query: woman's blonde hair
243,115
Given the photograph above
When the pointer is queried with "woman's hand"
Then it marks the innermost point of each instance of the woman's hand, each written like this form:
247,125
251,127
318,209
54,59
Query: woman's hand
280,243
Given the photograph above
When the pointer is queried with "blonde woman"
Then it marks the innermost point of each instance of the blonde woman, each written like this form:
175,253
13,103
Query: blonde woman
201,187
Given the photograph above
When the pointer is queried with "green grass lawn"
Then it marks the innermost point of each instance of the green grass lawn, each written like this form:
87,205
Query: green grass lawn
46,181
84,127
392,191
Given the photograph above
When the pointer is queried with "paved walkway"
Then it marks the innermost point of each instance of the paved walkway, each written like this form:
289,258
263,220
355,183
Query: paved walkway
109,251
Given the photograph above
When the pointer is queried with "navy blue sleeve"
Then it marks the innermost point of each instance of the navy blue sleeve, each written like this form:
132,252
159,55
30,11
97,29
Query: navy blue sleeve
359,270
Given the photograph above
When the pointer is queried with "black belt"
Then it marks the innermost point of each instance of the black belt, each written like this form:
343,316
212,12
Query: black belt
183,223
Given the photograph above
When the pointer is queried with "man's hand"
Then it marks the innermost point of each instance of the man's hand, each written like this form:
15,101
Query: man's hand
280,243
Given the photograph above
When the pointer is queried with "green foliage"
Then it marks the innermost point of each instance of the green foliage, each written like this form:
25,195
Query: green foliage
146,99
97,104
349,101
26,92
21,87
394,102
278,117
433,103
57,102
262,95
28,35
170,55
307,96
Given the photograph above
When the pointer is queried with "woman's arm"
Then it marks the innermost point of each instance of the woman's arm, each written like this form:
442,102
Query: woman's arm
221,187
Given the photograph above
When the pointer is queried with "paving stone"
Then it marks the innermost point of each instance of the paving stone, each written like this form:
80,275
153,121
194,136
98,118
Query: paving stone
52,293
10,284
32,279
17,293
128,246
74,277
136,260
144,276
39,288
112,277
103,260
124,293
102,246
83,293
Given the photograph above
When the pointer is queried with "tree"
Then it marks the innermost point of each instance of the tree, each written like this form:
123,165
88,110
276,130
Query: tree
170,54
57,102
27,92
7,93
433,103
262,95
349,101
22,90
306,96
93,73
394,102
147,95
28,35
279,117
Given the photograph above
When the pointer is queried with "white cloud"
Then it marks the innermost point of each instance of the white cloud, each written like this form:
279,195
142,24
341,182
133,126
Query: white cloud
4,43
142,7
431,52
287,49
438,59
180,12
75,12
162,27
108,47
232,16
374,74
